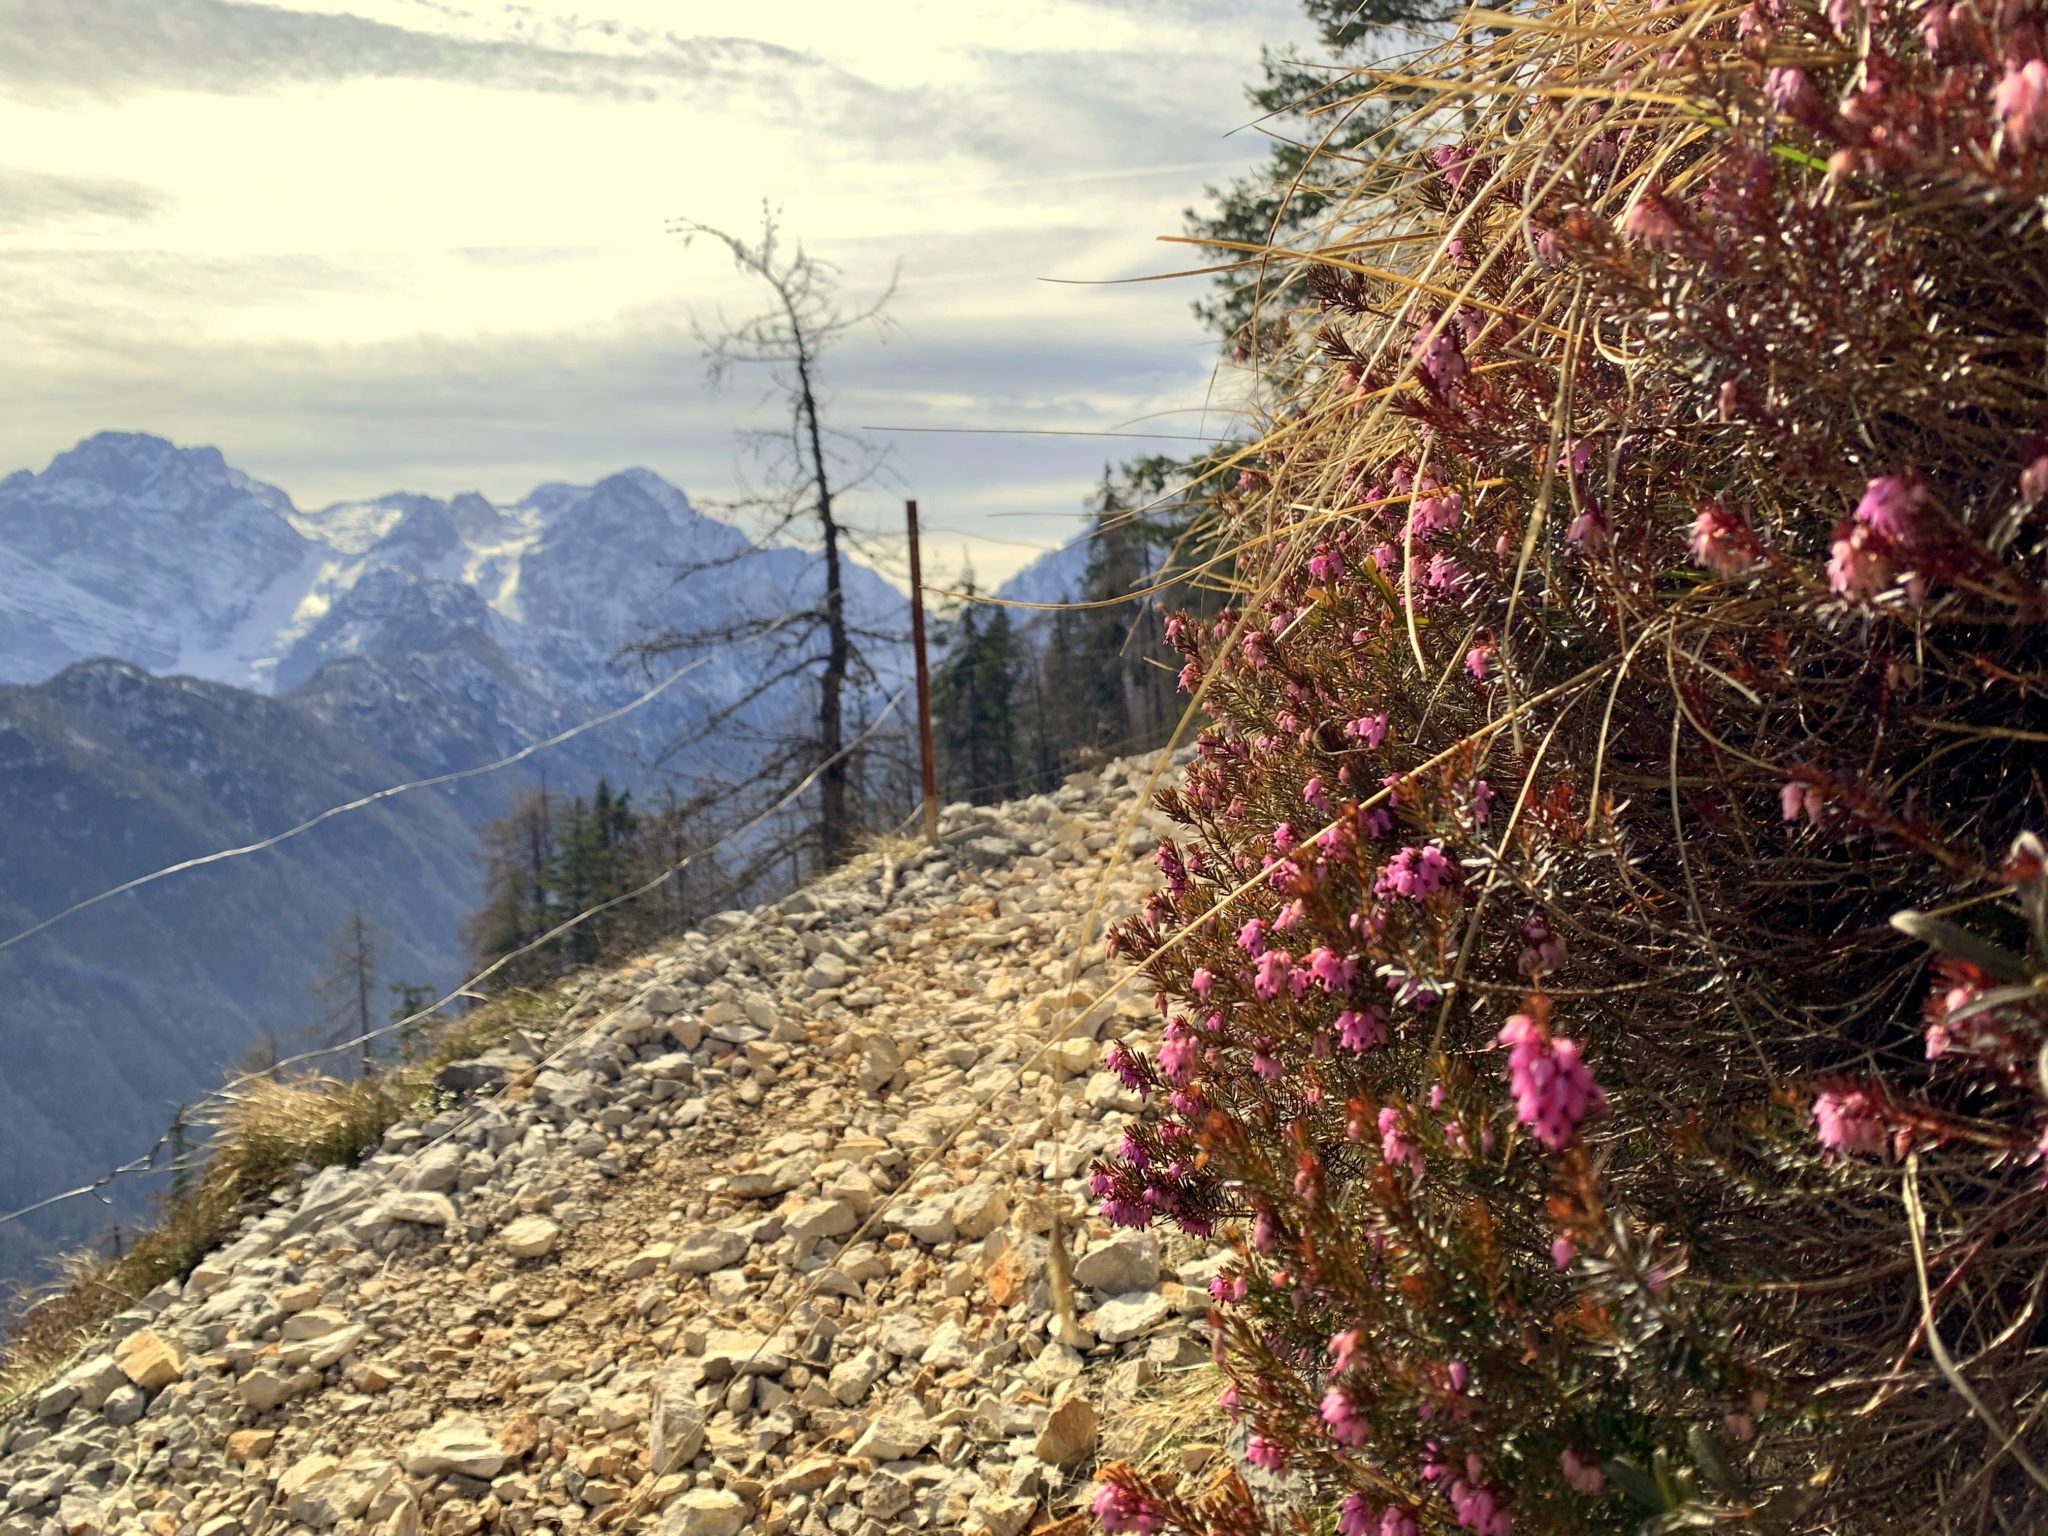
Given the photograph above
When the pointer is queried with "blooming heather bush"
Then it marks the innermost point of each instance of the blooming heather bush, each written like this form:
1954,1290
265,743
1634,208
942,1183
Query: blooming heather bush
1641,603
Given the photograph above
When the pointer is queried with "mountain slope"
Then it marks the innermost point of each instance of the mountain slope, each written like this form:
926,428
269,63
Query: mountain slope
753,1238
367,644
113,1016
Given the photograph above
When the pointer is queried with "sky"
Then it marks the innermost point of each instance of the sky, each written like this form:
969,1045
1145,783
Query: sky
372,245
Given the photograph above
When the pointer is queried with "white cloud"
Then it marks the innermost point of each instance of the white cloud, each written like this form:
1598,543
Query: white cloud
422,244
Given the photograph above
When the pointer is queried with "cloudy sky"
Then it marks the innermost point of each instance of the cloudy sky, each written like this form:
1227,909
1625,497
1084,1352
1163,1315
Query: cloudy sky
365,245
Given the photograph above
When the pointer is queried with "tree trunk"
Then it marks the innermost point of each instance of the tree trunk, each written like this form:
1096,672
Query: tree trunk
832,819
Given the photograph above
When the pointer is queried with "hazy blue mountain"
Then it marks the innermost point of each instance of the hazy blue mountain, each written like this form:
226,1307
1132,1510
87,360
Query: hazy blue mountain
315,656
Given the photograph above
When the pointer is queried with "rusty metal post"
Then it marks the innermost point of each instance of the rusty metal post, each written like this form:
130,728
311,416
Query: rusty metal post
924,683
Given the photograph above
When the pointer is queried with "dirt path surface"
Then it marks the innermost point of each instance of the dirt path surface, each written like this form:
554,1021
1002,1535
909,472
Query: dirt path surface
755,1240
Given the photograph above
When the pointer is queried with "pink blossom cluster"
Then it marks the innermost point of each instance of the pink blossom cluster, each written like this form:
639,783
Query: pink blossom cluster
1416,873
1356,1518
1847,1122
1552,1088
1124,1512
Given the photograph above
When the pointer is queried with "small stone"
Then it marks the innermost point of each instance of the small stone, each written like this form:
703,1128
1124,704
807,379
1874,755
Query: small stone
301,1298
851,1379
713,1248
880,1061
886,1496
675,1424
1123,1318
1069,1432
998,1514
124,1405
820,1218
899,1431
459,1443
315,1324
1074,1055
531,1237
1126,1262
148,1360
419,1208
703,1512
263,1388
246,1445
826,972
979,1209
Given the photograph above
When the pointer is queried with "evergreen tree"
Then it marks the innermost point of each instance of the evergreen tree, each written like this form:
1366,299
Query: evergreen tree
1276,204
411,998
974,697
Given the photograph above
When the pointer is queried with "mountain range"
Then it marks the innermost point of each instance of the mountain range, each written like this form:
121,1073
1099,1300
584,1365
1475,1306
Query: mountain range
192,662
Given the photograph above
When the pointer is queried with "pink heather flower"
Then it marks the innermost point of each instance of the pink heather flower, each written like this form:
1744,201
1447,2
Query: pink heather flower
1482,802
1343,1347
1459,1375
1445,574
1562,1253
1288,916
1395,1145
1354,1519
1314,798
1934,25
1434,512
1721,541
1119,1212
2021,101
1477,1507
1652,221
1341,1414
1275,969
1577,454
1386,557
1265,1454
1847,1122
1263,1062
1398,1522
1545,952
1437,356
1889,504
1589,528
1283,836
1842,14
1327,564
1190,677
1121,1511
1788,89
1202,982
1476,661
1859,564
1370,729
1416,873
1331,971
1583,1473
1251,938
1798,799
1552,1089
1361,1029
1177,1054
2034,479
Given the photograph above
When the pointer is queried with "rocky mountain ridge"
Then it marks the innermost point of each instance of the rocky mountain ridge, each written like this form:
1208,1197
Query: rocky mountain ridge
753,1240
327,655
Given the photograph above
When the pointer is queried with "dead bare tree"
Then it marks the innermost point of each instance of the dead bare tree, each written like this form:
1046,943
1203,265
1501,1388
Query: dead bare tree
807,465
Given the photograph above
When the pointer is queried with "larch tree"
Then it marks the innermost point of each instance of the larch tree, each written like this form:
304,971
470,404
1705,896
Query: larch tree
807,466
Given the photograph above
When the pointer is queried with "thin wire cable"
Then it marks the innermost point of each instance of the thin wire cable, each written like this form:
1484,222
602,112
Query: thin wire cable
226,1090
262,844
